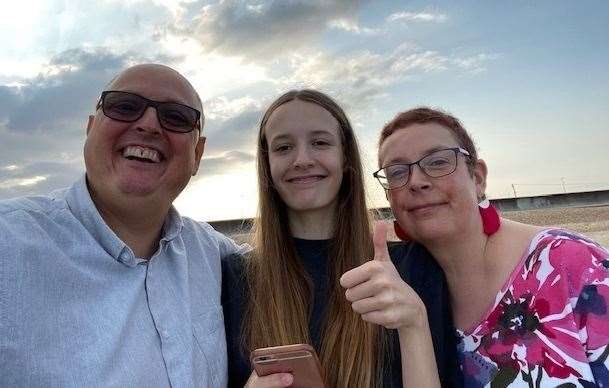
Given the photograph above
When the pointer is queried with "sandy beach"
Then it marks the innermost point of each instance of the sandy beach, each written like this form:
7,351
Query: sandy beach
593,221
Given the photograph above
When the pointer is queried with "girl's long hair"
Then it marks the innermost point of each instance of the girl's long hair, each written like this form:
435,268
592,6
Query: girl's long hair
280,292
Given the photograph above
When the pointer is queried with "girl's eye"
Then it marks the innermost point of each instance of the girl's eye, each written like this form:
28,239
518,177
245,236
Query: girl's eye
321,143
282,148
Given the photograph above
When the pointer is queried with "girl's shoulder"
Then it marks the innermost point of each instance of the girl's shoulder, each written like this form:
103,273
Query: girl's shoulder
233,277
418,268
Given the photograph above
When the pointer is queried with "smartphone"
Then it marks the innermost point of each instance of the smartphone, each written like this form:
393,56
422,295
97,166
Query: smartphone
300,360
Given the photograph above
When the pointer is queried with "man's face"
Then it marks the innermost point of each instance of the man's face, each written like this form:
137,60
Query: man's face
141,159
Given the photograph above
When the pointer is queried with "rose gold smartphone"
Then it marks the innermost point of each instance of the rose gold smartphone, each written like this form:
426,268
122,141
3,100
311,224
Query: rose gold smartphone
300,360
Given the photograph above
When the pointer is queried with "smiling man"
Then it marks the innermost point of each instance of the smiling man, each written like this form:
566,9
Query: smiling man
104,283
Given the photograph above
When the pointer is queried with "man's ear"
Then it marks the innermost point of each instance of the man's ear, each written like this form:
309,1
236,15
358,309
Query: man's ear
90,123
479,173
199,148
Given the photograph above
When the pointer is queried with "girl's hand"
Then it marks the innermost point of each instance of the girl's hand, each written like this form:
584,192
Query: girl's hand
275,380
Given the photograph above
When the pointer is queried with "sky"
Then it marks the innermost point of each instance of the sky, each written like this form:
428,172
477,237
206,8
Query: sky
529,80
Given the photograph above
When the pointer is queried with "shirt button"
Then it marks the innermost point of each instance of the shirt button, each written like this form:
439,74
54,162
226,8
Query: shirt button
165,334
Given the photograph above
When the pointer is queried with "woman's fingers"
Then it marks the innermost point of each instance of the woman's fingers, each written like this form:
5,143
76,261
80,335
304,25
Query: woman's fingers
363,290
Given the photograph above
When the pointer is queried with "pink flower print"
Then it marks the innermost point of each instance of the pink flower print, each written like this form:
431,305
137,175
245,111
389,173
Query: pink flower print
548,338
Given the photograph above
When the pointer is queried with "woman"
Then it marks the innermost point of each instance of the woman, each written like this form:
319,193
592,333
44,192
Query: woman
312,237
530,303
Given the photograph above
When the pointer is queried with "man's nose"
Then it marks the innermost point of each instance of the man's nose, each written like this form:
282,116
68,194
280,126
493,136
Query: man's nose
149,122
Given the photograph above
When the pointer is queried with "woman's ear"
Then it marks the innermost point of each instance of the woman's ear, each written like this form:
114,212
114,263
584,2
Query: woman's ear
479,174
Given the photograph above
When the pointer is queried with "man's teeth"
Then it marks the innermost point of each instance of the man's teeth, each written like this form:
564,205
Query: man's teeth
142,153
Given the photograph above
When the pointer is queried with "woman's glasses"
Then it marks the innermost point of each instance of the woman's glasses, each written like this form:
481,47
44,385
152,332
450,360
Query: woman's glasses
436,164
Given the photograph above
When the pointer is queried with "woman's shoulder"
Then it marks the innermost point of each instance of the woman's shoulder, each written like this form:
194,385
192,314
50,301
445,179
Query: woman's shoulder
565,247
564,251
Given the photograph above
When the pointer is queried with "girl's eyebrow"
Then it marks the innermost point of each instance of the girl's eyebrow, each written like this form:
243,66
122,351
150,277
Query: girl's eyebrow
322,132
285,136
280,137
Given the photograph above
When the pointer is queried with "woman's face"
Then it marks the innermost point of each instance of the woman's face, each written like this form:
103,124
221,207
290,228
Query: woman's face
305,155
429,208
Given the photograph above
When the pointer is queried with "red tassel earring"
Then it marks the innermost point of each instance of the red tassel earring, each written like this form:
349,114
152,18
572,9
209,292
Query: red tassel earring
490,217
401,233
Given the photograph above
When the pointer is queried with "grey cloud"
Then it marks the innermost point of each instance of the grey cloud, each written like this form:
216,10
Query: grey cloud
54,175
265,30
61,98
42,122
9,99
234,133
232,160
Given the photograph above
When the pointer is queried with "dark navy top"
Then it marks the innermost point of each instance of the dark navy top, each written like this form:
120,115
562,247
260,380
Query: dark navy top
416,266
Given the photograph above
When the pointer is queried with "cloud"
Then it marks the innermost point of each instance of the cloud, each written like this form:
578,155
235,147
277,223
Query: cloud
60,97
263,31
37,177
357,79
231,160
352,26
43,118
417,17
475,63
235,132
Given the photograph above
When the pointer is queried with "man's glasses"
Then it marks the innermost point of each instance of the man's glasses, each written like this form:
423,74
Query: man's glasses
436,164
130,107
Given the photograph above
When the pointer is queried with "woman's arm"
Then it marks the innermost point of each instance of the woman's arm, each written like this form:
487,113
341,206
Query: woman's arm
418,359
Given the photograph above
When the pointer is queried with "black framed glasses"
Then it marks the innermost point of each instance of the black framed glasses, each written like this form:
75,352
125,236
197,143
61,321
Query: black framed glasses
129,107
435,164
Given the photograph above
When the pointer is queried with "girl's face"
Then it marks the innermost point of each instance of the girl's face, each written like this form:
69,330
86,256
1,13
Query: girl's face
430,208
305,155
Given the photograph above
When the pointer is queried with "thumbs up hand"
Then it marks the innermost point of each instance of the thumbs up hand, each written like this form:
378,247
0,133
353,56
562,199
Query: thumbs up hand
378,293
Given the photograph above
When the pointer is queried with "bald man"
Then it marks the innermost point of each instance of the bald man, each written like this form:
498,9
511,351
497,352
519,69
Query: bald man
104,283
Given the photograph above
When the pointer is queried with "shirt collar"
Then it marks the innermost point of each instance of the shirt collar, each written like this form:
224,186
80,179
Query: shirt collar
82,207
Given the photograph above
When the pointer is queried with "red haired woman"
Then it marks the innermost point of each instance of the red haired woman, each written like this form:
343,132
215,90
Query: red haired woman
530,303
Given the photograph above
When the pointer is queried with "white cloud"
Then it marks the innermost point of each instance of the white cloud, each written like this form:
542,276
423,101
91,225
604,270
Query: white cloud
210,73
352,26
475,63
361,77
223,108
417,17
31,181
10,167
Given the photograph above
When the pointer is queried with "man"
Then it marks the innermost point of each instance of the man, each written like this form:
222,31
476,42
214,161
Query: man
104,283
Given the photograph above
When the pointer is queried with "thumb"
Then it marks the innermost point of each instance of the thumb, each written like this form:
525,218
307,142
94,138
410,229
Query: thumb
380,242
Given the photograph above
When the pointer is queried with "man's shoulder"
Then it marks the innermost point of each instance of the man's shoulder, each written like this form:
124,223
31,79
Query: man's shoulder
200,228
200,232
33,205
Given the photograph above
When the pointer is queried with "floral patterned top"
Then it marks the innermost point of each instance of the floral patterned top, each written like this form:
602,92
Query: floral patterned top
549,325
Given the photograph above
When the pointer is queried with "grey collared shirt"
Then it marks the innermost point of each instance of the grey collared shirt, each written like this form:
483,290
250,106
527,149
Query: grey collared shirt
78,309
